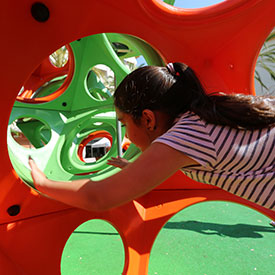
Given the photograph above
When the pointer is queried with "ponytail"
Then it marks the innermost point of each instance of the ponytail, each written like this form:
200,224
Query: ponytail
234,110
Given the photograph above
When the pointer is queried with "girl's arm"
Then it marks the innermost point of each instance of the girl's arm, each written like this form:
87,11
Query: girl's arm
154,165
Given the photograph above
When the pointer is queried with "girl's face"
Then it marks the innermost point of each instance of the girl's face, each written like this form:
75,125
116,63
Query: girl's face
136,133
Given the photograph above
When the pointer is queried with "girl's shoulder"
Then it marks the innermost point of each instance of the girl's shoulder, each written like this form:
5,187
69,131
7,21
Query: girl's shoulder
190,136
189,117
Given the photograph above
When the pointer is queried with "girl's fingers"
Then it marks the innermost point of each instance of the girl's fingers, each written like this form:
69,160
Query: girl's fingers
118,162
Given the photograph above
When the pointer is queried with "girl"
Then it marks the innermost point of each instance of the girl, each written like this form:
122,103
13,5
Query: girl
219,139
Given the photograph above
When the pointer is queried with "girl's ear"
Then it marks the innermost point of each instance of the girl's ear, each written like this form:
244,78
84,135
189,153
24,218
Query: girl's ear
149,119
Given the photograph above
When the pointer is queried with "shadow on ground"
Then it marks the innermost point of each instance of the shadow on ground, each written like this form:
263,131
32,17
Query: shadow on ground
231,230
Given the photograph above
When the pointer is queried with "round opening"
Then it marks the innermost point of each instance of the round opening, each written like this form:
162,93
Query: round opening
40,12
208,237
49,79
30,133
101,82
14,210
75,90
95,146
265,67
191,4
95,247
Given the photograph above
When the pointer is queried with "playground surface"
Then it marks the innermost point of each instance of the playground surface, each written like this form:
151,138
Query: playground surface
209,238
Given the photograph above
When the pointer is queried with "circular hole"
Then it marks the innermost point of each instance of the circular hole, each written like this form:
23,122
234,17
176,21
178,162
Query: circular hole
204,233
40,12
88,248
101,82
265,67
48,80
191,4
95,146
30,132
14,210
96,149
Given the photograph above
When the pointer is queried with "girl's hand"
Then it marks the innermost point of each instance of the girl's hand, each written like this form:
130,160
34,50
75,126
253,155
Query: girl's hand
39,178
118,162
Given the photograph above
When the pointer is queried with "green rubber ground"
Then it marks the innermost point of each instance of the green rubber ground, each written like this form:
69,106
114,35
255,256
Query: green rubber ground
213,238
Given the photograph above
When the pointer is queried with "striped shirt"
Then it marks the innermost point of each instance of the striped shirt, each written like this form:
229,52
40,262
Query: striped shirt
241,162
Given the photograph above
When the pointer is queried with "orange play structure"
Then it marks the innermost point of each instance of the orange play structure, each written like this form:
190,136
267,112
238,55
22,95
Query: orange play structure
220,42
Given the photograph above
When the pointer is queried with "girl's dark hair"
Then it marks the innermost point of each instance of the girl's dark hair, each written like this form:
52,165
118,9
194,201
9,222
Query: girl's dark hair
178,90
